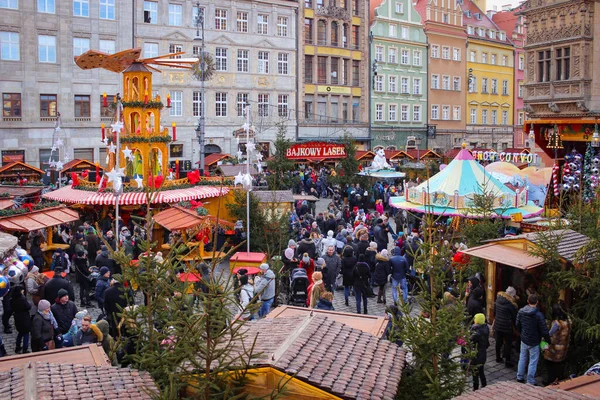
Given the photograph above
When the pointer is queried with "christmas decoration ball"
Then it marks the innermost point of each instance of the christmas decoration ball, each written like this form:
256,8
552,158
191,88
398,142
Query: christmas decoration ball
596,160
566,187
24,270
593,185
15,275
565,178
571,179
568,158
573,165
577,157
595,171
577,172
4,285
576,187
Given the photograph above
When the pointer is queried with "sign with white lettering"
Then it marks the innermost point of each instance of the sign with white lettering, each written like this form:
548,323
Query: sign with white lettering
316,150
516,158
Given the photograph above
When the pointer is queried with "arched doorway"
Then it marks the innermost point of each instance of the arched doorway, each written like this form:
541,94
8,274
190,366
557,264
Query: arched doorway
212,149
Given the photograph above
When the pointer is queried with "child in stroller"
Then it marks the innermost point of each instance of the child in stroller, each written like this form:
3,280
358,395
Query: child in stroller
298,287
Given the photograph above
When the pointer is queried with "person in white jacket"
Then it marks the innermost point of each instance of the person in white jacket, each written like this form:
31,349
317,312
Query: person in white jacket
246,296
328,241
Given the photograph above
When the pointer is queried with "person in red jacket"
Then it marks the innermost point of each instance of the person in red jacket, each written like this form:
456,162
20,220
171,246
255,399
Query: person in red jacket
309,265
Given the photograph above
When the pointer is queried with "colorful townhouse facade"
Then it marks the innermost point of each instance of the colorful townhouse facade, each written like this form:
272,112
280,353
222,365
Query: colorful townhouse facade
490,68
398,75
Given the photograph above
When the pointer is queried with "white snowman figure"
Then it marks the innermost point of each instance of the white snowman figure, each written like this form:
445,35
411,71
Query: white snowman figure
379,162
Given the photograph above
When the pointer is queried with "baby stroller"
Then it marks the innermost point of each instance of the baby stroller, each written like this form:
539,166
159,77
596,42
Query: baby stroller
298,287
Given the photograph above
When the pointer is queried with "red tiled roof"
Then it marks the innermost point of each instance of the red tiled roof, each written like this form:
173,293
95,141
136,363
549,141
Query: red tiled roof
374,4
71,381
485,22
511,390
360,154
214,158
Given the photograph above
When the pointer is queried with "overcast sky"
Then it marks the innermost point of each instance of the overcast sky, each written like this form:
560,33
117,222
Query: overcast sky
500,3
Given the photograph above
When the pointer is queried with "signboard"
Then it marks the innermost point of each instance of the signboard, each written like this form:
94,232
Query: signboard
316,150
516,158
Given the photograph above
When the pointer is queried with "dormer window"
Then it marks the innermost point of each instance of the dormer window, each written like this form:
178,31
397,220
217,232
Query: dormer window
492,34
477,16
468,13
470,30
502,36
480,31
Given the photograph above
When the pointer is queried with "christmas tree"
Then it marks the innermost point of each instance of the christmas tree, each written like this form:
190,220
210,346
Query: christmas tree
588,165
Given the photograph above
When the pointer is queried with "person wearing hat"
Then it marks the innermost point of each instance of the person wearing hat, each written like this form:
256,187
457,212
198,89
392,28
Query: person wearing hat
58,282
103,260
328,241
531,324
115,299
308,264
64,311
43,325
475,299
480,335
332,267
383,268
264,286
307,245
504,323
110,239
82,273
102,284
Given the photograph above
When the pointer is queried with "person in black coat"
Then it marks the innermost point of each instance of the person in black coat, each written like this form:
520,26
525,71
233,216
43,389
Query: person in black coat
306,245
103,260
93,245
475,299
361,277
480,335
36,252
42,329
348,263
382,269
504,323
64,311
21,307
82,272
52,287
115,300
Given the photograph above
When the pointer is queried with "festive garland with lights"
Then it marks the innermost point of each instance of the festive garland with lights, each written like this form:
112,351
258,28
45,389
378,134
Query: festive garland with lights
146,139
25,210
132,189
141,104
5,194
7,183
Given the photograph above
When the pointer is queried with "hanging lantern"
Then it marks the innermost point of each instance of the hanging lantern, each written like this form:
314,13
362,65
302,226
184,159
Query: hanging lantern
554,139
531,133
596,137
104,101
174,126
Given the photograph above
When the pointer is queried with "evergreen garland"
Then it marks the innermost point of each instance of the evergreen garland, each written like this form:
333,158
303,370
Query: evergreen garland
134,189
146,139
588,192
25,210
141,104
11,183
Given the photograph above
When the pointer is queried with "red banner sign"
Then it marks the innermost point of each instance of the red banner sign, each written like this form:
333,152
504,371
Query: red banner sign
316,150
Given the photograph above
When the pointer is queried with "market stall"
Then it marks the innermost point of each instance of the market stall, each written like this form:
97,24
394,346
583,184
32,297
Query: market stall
20,173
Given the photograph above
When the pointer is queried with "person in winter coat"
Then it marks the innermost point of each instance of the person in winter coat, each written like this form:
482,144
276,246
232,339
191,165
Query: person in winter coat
42,327
475,299
363,242
361,278
53,286
348,262
411,250
64,311
382,269
35,284
36,251
315,289
246,296
21,307
328,241
264,286
102,284
88,334
82,272
115,300
371,258
556,352
399,271
107,340
93,245
340,240
380,232
103,260
505,317
325,302
309,266
532,327
307,245
480,335
333,265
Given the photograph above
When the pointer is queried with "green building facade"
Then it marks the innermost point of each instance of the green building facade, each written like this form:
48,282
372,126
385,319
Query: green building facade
398,76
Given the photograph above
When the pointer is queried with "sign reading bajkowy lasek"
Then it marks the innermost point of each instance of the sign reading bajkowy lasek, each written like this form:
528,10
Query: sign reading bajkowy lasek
316,150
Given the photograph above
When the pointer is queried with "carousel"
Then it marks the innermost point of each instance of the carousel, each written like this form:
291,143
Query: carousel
452,191
137,146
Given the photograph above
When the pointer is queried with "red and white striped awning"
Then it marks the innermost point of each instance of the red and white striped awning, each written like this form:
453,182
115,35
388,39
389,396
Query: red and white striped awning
73,196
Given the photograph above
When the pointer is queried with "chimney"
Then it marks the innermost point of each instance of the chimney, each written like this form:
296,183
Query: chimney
491,13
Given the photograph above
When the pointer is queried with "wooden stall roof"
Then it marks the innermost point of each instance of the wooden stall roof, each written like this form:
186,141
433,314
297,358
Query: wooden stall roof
424,153
305,197
233,170
15,191
515,257
360,154
6,169
510,390
177,217
92,355
450,154
375,325
214,158
39,219
517,150
394,154
4,204
586,385
81,164
274,196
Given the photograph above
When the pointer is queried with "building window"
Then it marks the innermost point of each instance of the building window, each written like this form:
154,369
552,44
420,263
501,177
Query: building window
243,60
473,56
494,86
282,63
494,117
416,85
446,53
221,104
107,46
81,8
241,102
46,6
11,105
520,92
416,58
544,66
379,83
399,8
456,113
322,70
445,18
473,84
150,12
263,24
197,104
355,7
48,105
484,58
220,19
504,117
242,21
107,9
322,32
355,73
445,82
107,112
263,62
435,51
521,62
221,59
175,11
470,30
283,105
404,113
484,117
505,88
416,113
308,30
435,81
282,26
392,30
355,37
150,50
9,46
175,48
493,59
563,63
502,36
13,4
456,83
335,34
176,109
47,49
504,61
393,84
308,69
404,32
484,85
378,112
456,54
82,106
379,53
392,112
263,105
445,113
404,56
308,4
404,85
435,112
520,118
393,55
195,14
473,116
80,46
320,3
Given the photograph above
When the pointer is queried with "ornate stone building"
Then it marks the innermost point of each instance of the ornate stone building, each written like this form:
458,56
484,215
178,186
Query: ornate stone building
560,90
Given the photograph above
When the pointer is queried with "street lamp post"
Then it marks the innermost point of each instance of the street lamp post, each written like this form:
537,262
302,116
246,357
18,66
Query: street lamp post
247,126
200,129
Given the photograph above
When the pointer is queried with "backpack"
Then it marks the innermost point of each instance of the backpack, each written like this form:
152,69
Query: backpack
59,261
